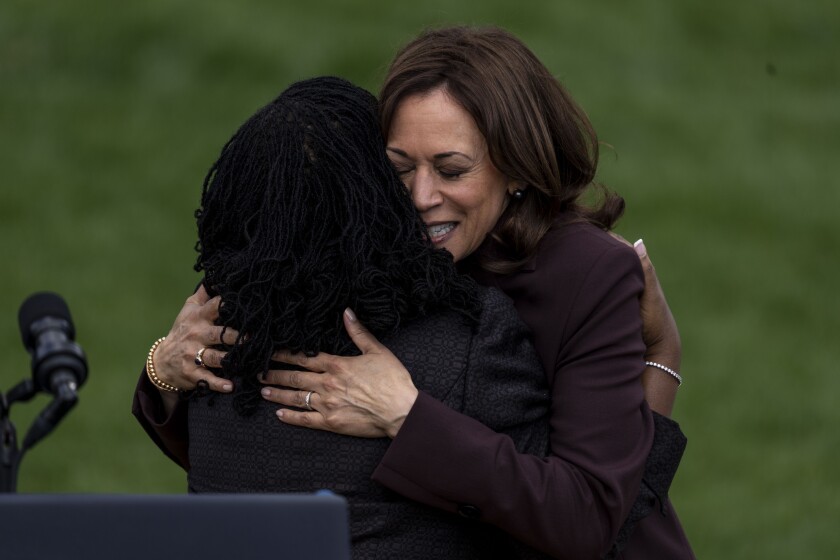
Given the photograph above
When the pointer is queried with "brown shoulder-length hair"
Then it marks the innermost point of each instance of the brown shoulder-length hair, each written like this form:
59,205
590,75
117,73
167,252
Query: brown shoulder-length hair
535,132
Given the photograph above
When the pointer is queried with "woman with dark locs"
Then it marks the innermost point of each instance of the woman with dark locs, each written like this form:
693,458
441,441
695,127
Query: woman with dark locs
500,161
304,223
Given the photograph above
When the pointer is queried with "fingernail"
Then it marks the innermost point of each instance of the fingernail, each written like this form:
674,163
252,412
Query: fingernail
350,315
280,414
227,387
266,392
639,246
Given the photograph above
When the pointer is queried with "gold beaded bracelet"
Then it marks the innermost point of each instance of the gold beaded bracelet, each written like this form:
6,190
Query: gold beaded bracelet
150,370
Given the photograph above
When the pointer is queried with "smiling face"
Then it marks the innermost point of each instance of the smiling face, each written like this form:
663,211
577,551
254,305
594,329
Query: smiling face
442,158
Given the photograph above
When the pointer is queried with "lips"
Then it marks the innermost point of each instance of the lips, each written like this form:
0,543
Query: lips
439,232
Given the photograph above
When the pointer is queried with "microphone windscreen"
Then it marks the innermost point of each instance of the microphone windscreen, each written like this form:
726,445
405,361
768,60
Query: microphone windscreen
40,305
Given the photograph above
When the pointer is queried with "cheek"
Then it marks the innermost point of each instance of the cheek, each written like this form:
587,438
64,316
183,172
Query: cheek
481,204
491,209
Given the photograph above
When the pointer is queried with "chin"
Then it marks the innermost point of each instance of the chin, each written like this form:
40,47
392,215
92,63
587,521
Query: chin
456,255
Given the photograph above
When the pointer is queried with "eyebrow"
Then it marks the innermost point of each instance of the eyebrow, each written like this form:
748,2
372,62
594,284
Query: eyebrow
441,155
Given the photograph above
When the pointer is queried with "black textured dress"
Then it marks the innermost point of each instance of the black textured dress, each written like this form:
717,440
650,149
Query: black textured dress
491,373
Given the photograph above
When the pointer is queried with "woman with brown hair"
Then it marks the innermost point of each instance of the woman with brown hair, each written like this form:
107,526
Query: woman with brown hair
497,157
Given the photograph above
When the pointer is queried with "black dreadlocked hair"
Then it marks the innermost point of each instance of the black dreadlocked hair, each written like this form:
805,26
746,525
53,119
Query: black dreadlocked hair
302,216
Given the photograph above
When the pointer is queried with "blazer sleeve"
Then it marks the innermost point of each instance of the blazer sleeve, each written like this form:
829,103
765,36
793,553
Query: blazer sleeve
571,503
168,432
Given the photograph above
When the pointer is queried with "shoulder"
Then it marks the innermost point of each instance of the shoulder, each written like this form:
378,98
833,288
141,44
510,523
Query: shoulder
578,269
573,256
576,248
498,314
576,256
494,301
447,332
434,349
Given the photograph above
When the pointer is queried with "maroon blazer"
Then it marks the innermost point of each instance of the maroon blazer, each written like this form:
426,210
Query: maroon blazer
580,297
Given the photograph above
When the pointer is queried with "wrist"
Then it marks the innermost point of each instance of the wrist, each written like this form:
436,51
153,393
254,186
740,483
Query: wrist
162,385
393,427
675,375
668,360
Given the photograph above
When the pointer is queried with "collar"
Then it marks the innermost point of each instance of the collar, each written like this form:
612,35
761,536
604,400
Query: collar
490,248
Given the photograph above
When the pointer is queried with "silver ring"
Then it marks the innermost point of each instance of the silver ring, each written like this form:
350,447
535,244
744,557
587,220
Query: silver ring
307,401
199,357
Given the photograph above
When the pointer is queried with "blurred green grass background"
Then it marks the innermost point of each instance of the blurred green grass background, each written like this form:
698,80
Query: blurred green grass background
723,125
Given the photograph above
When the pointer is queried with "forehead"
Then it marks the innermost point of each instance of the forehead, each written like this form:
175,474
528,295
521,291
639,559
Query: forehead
435,121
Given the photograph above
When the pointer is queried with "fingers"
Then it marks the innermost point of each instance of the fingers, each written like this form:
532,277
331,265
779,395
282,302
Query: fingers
182,371
214,383
197,325
200,297
207,307
647,265
194,331
659,328
291,397
641,251
220,335
314,420
212,358
308,416
210,309
318,363
303,380
361,337
639,247
324,362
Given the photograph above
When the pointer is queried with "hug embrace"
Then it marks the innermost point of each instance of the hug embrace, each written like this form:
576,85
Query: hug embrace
408,302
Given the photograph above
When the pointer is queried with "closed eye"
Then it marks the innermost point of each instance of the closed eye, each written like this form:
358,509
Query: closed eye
401,170
451,173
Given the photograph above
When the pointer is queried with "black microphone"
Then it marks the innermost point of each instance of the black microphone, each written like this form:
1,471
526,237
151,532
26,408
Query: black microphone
59,365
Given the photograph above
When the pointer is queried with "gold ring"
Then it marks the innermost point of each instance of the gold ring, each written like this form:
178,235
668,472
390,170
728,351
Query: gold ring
199,357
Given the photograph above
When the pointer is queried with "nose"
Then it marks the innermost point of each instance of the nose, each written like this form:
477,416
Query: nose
423,190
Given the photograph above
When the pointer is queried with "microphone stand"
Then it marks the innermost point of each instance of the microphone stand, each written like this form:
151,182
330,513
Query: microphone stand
10,455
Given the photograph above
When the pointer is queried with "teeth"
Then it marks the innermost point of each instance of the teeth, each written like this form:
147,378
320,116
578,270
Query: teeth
438,230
